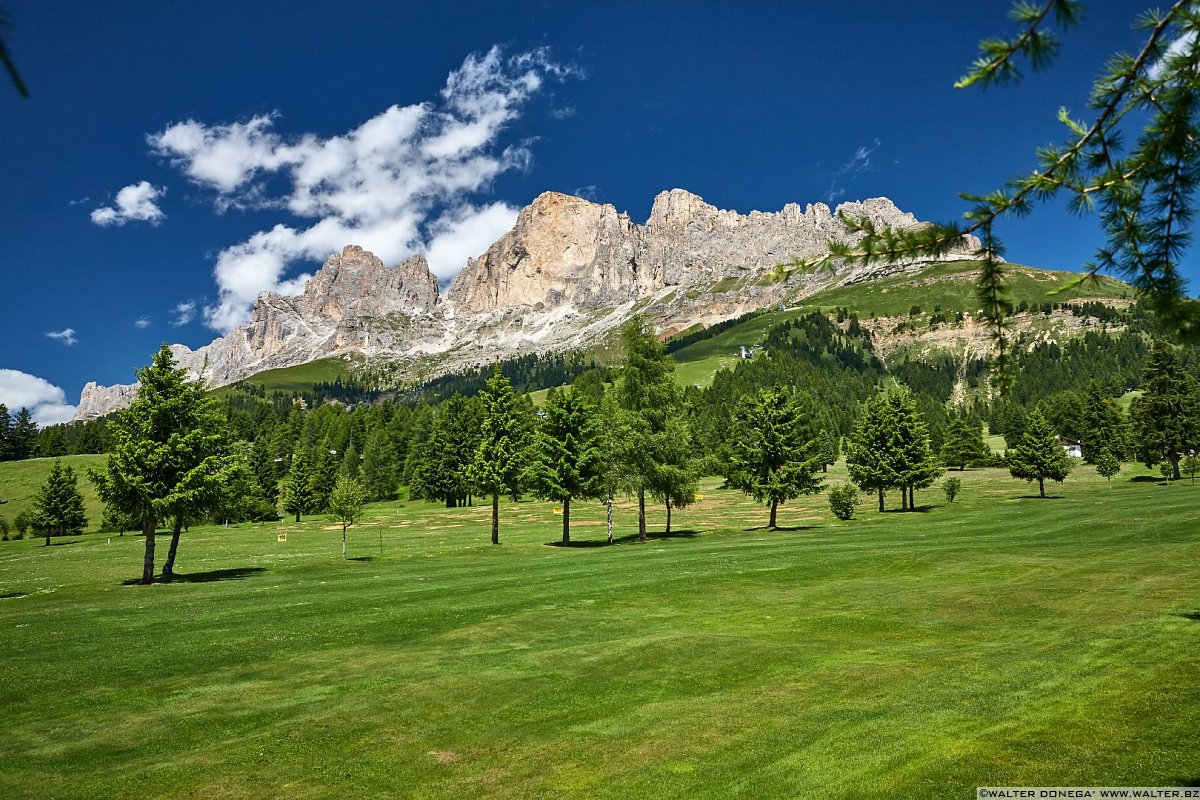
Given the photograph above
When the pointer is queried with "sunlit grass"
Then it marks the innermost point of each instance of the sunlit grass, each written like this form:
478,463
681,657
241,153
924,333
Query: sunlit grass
999,640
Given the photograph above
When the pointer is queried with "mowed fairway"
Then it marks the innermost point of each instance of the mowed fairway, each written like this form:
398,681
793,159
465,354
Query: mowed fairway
1001,640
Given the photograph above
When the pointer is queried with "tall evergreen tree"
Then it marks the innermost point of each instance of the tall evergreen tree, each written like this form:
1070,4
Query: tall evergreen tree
565,459
619,436
6,453
919,466
297,496
168,458
873,451
647,390
265,477
379,470
1103,426
1167,417
1039,456
498,460
964,443
351,461
675,475
22,439
829,448
324,474
58,505
775,455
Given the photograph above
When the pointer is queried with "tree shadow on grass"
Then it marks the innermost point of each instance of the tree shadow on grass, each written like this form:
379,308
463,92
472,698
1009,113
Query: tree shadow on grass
780,528
231,574
1189,782
60,544
630,538
1039,497
1194,616
918,510
12,595
1146,479
362,558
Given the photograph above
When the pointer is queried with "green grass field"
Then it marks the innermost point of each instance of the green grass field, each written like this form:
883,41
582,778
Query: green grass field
1000,640
19,482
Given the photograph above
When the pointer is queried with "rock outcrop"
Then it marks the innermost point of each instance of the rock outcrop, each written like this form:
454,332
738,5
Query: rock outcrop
567,273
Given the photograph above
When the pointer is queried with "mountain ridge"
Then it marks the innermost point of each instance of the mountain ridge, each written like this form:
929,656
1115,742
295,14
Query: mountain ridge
568,271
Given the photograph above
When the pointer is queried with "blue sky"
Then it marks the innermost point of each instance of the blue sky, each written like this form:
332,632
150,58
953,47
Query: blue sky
176,158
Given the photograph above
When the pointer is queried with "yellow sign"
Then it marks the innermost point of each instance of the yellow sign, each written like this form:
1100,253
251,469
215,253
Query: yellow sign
558,511
282,537
699,497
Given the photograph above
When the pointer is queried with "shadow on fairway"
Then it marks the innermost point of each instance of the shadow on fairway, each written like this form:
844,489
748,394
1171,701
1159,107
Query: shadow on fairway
630,538
1146,479
917,510
1194,616
362,558
232,574
12,595
780,528
60,544
1039,497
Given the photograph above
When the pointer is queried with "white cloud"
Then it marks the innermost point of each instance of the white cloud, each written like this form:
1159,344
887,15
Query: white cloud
1179,47
45,401
859,163
66,336
135,202
399,183
184,313
141,323
466,233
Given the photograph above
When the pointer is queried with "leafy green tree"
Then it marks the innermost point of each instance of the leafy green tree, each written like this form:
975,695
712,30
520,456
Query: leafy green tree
1167,415
346,503
618,435
240,499
1191,466
379,469
169,456
963,444
498,460
297,495
951,487
919,466
775,454
442,462
1107,466
565,459
6,453
58,505
1039,456
674,475
843,500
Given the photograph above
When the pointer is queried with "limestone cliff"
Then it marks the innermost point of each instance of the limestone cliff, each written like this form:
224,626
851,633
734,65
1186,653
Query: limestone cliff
567,273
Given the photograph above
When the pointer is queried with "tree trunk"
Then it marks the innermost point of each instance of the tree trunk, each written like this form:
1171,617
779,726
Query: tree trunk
169,567
1042,486
912,498
903,497
771,524
449,501
148,563
610,519
297,516
1175,469
567,521
343,541
881,499
668,531
495,518
641,515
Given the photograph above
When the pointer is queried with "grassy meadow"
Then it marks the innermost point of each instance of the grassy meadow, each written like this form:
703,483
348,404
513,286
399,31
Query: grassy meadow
998,640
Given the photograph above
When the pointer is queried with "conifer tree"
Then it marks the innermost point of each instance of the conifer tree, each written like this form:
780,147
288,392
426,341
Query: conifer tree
829,447
775,455
168,458
324,474
58,505
873,453
918,467
297,496
265,477
647,391
1168,413
351,461
22,439
1039,456
564,455
497,466
1103,426
674,475
964,443
619,434
379,471
6,453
